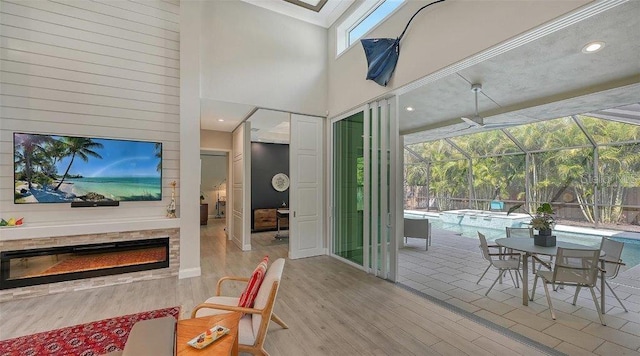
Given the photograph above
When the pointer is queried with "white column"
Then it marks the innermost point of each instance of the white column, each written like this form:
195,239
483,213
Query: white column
189,183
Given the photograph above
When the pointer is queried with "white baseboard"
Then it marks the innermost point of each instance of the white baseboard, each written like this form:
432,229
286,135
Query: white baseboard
189,273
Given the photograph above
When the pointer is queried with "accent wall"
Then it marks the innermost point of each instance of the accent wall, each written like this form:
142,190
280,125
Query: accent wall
267,160
92,69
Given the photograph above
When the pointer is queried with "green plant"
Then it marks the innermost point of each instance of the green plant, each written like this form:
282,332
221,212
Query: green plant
543,218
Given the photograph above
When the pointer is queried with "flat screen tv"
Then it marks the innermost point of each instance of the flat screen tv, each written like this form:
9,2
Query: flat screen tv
63,169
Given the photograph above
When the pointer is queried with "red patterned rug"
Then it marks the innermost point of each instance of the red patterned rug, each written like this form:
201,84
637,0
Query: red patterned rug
91,339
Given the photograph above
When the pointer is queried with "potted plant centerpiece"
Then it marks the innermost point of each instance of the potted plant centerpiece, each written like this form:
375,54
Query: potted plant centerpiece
543,221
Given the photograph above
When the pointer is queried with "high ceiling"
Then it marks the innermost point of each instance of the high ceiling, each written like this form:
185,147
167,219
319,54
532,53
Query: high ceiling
545,78
318,12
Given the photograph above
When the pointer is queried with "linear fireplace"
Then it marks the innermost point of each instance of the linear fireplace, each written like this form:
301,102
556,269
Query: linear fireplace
56,264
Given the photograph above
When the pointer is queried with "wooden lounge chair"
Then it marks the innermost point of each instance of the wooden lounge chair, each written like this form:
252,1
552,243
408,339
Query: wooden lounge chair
252,329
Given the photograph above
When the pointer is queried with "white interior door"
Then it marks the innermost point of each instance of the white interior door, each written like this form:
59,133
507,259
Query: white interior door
240,227
306,192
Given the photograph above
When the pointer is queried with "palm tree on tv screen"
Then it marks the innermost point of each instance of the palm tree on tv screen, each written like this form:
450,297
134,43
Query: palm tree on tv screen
158,149
56,150
79,146
30,144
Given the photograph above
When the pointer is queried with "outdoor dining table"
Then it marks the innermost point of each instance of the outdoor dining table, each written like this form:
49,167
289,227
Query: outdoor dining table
525,245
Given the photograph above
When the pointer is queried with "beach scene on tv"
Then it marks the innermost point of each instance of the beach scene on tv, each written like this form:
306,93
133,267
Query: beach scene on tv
61,169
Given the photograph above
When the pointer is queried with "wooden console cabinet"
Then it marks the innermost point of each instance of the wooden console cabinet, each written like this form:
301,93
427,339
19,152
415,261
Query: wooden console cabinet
204,214
266,219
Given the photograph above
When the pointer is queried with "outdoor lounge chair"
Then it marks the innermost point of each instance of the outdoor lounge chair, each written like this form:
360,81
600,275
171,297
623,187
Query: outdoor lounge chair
418,229
496,205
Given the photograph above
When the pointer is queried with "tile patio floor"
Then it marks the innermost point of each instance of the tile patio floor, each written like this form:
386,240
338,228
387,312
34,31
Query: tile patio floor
453,264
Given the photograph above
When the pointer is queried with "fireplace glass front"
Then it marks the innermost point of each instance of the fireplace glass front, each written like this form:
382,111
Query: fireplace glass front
56,264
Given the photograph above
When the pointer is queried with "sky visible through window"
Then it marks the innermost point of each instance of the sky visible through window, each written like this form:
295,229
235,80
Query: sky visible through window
373,19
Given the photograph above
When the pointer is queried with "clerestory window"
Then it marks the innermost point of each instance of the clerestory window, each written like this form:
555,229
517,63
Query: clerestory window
364,19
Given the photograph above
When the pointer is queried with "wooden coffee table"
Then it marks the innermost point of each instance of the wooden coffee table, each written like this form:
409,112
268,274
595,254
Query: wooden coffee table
190,328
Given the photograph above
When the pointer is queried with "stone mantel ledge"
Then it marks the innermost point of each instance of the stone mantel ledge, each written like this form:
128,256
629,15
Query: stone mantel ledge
38,231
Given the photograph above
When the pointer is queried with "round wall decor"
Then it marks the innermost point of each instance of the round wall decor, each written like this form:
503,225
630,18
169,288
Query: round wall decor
280,182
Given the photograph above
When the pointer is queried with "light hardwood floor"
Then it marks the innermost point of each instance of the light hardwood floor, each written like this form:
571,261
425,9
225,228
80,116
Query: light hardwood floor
331,308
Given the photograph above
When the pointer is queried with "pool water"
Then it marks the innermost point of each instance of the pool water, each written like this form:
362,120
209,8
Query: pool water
630,252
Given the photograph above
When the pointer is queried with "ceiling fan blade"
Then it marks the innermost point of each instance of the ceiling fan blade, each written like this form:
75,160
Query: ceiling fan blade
473,121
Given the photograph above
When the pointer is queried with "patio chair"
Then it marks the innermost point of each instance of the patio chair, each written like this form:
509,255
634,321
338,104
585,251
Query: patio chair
505,262
528,232
519,232
418,229
252,329
573,267
613,251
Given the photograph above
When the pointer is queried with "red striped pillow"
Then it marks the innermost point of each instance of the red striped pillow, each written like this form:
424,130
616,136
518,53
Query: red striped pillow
251,291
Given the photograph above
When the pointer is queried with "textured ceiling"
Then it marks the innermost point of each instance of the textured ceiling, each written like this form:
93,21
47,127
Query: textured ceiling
529,83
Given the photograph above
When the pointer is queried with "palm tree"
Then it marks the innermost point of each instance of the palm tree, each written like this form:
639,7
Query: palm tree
30,144
81,147
158,148
56,150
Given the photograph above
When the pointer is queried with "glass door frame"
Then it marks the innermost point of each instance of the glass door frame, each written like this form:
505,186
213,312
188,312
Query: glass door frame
379,118
331,207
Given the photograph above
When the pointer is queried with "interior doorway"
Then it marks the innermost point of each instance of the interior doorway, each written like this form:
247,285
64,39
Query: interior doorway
214,175
286,179
270,177
259,198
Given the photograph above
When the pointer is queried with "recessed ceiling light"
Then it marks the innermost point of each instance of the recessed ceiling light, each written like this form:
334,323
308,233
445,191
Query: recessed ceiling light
409,108
220,120
593,47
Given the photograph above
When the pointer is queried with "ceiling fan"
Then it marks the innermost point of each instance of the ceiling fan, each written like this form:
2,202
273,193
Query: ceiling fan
478,121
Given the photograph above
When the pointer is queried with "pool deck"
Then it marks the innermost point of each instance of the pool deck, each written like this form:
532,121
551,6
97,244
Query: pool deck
452,265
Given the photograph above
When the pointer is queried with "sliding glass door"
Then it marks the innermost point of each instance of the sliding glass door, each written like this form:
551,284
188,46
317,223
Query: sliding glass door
363,217
348,188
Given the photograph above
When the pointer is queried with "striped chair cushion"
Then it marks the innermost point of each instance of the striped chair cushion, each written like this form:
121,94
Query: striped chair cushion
249,295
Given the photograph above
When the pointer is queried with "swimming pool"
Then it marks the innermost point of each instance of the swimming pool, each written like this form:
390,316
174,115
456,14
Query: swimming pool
630,253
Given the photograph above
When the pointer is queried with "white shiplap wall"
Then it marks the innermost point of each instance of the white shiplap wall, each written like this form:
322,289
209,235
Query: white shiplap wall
105,68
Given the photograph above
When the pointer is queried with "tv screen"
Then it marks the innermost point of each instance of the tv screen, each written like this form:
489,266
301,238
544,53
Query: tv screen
63,169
